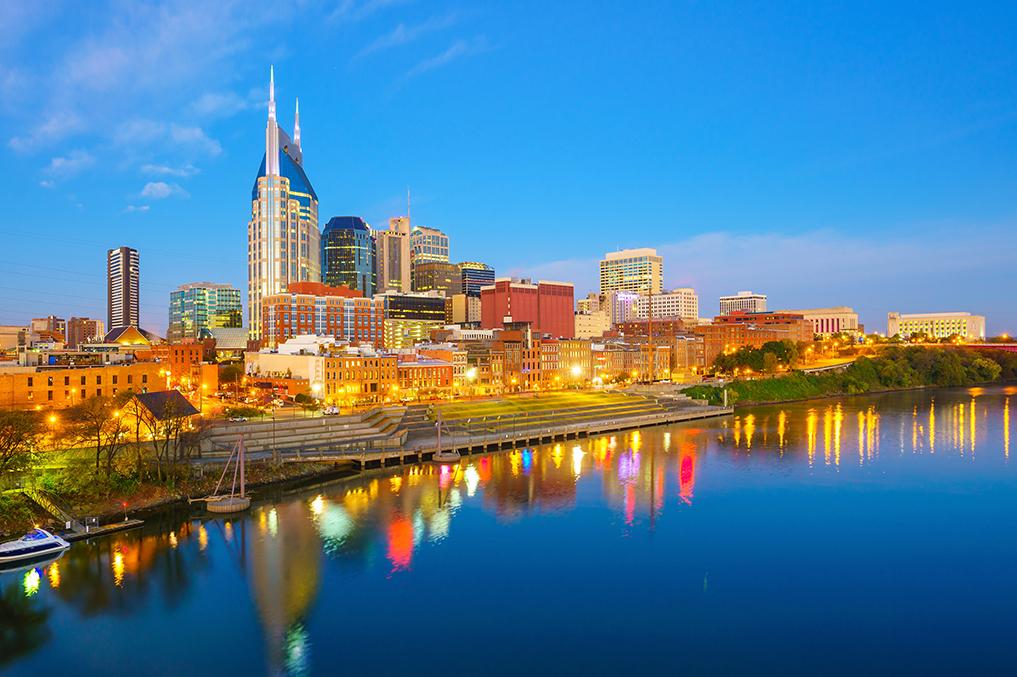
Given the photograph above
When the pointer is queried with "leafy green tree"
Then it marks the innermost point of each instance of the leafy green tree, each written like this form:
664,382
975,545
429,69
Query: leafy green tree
20,434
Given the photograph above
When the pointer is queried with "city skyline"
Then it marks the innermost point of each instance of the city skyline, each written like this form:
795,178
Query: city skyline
874,227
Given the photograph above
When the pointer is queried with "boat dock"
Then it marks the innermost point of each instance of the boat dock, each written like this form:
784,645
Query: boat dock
103,530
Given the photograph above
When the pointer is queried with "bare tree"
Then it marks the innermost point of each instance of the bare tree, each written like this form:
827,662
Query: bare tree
165,428
97,421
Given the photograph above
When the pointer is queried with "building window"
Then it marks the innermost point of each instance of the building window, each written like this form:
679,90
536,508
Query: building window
67,380
30,381
49,395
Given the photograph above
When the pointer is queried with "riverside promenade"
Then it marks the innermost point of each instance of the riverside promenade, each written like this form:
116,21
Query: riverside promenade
390,436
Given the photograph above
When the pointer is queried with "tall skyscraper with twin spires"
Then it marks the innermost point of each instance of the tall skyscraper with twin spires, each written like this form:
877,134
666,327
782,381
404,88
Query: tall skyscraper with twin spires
283,241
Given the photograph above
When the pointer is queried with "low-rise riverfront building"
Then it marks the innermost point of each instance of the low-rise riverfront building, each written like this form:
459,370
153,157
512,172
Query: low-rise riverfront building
825,321
936,325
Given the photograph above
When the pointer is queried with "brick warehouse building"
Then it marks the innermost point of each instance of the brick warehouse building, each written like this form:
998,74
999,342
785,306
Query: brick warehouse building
547,306
316,308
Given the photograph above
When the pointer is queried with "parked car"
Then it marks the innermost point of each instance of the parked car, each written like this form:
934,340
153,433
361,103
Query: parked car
330,410
237,419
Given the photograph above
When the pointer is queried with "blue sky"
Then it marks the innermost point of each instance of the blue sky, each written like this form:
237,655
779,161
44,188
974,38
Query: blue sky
859,154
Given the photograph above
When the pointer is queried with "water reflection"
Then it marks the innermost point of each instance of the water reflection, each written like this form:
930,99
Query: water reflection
395,522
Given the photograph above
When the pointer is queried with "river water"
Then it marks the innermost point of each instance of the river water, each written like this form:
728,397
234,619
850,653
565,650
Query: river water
871,534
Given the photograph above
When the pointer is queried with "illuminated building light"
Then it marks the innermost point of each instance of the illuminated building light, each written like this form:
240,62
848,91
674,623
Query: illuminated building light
577,461
118,567
53,574
472,478
31,582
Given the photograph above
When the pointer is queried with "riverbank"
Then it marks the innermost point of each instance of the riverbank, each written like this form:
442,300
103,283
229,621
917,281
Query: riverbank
896,369
18,513
501,425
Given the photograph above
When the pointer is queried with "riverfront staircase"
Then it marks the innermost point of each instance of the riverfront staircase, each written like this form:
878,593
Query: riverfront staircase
377,428
567,416
388,435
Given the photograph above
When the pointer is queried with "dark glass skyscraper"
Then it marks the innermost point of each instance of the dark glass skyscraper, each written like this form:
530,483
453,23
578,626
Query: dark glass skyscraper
348,254
474,276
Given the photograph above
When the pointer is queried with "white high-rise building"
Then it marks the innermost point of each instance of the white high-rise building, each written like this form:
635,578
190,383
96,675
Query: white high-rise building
635,270
122,284
394,256
681,303
283,241
746,301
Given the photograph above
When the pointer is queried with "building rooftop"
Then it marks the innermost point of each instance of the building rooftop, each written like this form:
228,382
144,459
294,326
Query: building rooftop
629,253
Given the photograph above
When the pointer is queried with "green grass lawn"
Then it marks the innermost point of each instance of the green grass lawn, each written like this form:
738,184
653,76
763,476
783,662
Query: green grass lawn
530,404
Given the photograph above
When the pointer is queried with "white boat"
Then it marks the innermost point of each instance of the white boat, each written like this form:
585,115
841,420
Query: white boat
36,544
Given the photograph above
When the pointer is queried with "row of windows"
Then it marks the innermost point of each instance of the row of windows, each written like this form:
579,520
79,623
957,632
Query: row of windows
98,380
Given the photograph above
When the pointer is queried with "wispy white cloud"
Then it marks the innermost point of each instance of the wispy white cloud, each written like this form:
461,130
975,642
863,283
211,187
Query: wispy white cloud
55,127
457,50
873,274
404,35
160,190
352,11
226,104
131,209
47,183
141,132
66,166
135,56
186,171
195,137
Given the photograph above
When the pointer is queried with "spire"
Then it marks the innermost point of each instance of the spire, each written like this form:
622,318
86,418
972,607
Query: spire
271,92
296,125
271,130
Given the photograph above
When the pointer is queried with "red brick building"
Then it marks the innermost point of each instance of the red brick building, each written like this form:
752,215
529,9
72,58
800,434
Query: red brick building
425,377
721,336
182,360
547,306
316,308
